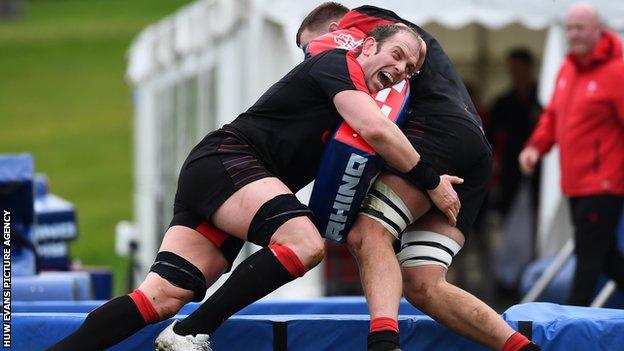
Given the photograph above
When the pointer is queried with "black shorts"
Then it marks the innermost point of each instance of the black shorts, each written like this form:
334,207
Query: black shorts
456,147
215,169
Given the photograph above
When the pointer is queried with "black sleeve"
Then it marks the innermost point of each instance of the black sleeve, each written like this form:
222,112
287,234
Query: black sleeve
336,71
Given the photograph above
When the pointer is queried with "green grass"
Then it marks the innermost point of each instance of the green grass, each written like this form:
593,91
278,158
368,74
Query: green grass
63,98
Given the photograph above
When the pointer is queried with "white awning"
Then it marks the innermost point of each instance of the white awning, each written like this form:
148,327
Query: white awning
534,14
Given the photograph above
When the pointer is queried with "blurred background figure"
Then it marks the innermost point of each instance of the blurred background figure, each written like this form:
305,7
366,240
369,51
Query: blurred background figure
585,117
511,121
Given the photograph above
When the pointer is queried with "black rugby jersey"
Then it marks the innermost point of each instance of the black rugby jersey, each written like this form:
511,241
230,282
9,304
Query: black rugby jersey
438,90
288,125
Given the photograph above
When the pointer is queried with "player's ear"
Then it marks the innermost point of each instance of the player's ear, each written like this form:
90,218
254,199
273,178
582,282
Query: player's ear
333,27
369,46
422,53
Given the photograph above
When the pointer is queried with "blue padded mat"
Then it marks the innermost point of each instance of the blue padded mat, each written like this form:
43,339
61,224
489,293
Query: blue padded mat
328,305
37,331
555,327
558,327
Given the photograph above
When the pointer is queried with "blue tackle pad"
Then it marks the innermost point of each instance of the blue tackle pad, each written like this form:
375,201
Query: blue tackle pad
348,168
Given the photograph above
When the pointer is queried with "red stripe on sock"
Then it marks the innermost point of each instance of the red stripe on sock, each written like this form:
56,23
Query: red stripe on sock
515,342
384,323
147,310
212,233
288,259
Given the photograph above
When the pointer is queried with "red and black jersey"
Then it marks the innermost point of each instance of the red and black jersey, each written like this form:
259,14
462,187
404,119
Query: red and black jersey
287,125
437,91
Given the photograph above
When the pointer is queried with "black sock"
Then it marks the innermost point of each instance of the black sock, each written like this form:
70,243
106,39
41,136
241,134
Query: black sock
257,276
531,347
384,340
105,326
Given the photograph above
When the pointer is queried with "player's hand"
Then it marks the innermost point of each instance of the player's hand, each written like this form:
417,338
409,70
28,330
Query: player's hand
527,159
445,198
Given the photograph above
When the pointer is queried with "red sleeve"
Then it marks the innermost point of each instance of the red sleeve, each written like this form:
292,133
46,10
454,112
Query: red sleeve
617,89
336,71
356,73
543,136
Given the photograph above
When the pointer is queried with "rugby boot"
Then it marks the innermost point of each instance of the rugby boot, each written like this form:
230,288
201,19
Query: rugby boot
168,340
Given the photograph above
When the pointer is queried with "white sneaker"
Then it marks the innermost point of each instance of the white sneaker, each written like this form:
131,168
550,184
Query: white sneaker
168,340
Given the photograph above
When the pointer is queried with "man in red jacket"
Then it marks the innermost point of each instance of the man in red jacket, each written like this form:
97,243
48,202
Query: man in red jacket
585,117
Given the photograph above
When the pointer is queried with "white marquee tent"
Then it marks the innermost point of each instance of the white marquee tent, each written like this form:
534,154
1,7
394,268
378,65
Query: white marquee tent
199,67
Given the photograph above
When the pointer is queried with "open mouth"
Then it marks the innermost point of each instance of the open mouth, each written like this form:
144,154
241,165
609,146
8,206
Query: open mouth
385,79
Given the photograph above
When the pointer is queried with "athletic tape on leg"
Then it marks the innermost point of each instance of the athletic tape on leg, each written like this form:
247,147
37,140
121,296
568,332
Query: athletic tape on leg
181,273
419,248
386,207
272,214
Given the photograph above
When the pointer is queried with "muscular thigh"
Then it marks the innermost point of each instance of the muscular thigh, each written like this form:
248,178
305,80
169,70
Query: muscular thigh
224,182
197,249
236,213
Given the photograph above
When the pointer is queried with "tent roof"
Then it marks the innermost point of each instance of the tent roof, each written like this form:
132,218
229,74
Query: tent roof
199,25
534,14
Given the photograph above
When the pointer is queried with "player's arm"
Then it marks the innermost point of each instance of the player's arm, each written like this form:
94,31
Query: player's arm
363,115
361,112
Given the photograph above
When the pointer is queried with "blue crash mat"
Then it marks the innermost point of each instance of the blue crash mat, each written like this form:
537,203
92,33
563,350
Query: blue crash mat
327,305
37,331
558,327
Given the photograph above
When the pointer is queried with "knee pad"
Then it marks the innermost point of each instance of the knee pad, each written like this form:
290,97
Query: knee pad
272,214
386,207
181,273
419,248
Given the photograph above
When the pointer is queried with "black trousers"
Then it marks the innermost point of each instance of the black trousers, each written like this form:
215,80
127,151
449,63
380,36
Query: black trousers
595,223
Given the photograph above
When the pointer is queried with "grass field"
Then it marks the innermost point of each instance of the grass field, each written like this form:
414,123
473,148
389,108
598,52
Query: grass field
63,98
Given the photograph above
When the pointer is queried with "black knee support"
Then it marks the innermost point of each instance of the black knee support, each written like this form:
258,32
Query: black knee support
181,273
272,214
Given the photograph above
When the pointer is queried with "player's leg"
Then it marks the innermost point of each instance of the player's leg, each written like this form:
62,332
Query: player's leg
264,212
428,247
371,240
372,247
595,222
187,263
614,266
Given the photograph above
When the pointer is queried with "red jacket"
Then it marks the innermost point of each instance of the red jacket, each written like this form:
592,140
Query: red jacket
585,117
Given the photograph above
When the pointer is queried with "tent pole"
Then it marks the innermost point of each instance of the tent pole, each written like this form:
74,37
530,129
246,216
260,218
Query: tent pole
550,272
